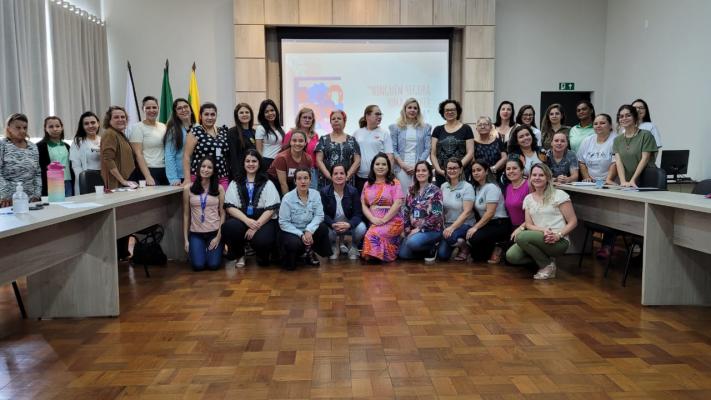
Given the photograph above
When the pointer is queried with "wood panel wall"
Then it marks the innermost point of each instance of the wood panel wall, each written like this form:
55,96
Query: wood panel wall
257,74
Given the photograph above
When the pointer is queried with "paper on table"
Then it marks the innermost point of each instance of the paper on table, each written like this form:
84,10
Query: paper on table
80,205
582,183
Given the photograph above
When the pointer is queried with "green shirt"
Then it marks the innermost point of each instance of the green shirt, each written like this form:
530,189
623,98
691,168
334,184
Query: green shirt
577,134
59,152
630,150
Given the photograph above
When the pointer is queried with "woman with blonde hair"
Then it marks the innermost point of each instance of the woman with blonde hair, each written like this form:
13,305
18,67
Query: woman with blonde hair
412,140
550,217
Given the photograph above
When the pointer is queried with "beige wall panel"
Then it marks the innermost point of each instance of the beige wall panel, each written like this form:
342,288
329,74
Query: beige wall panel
416,12
249,41
477,104
481,12
251,98
249,11
479,42
450,12
366,12
277,12
315,12
478,74
250,74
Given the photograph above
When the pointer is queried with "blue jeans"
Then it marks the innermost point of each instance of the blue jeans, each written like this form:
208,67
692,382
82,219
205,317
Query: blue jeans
314,178
419,245
199,253
446,246
356,233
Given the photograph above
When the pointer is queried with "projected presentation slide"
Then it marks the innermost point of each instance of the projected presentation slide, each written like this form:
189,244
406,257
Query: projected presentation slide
350,74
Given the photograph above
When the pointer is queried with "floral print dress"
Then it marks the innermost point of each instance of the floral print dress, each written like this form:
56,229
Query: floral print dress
382,241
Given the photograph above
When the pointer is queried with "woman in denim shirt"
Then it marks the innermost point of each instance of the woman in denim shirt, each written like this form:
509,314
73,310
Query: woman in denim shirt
301,223
412,141
181,120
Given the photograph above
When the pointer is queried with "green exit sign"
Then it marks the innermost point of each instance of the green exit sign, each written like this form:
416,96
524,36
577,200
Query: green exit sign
566,86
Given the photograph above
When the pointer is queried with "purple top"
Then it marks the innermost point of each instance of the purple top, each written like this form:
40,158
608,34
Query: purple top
514,202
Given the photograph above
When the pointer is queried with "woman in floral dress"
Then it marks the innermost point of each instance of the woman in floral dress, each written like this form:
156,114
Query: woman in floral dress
381,199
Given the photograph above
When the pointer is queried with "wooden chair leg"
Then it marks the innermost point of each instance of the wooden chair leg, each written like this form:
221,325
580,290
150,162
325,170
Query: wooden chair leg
18,296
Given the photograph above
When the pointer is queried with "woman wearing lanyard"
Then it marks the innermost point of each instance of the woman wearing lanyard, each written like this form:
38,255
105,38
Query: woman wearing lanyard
208,140
251,202
203,216
423,216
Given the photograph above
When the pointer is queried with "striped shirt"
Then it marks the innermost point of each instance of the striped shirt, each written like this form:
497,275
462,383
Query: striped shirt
19,165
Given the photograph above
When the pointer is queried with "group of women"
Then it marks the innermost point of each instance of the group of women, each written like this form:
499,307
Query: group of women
372,194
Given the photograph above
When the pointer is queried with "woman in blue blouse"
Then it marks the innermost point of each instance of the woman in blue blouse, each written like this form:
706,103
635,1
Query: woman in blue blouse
412,141
181,120
301,223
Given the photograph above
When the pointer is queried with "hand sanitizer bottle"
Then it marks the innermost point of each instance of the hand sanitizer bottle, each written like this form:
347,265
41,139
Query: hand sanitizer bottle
20,201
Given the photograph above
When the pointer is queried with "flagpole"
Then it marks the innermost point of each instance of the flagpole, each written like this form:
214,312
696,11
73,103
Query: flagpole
135,99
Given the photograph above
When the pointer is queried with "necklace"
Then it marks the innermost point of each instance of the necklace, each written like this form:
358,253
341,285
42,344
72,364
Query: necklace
628,139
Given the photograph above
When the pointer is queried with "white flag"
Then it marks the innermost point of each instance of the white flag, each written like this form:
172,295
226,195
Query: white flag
130,104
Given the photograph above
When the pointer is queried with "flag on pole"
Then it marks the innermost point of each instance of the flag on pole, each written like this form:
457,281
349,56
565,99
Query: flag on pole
166,97
194,95
131,103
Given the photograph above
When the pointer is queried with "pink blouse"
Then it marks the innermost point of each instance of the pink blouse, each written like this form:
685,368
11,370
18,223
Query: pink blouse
514,202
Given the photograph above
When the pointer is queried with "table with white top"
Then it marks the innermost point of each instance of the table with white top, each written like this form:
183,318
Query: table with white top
69,254
676,254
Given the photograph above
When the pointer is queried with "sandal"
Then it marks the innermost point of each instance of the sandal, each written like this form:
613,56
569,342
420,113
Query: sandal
463,253
546,272
495,255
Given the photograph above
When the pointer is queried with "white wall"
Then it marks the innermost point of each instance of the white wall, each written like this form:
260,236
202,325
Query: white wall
659,51
541,43
147,32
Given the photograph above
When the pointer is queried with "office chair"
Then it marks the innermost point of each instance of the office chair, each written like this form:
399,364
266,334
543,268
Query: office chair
702,187
88,179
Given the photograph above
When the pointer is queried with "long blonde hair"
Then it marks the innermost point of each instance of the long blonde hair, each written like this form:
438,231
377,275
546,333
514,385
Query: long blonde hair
402,119
549,191
298,121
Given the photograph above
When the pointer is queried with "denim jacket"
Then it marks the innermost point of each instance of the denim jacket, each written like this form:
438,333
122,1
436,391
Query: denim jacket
174,160
352,207
295,217
399,138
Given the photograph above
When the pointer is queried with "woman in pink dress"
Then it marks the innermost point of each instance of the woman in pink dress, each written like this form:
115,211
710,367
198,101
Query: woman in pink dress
381,199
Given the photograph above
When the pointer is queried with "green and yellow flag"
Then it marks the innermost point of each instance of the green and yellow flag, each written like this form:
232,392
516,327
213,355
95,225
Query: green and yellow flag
194,95
166,97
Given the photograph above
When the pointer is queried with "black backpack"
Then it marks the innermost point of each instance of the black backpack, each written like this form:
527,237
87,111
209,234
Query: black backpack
147,250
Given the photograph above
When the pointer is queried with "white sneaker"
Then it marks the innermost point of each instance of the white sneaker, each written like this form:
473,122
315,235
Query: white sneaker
353,253
546,272
344,248
240,263
430,260
334,253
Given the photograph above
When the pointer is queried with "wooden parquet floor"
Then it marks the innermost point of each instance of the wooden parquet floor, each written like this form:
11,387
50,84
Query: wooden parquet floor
342,331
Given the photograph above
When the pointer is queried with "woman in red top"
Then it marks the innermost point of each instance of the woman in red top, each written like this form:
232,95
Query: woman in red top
281,172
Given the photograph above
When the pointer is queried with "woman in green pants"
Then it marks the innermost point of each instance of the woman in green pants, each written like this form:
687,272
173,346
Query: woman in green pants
549,219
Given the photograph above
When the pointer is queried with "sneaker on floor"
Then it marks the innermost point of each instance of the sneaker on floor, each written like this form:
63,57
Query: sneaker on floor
240,263
353,253
430,260
334,253
343,248
547,272
312,259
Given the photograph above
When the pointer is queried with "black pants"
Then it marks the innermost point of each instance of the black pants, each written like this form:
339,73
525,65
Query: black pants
483,241
122,248
292,247
159,176
359,183
263,241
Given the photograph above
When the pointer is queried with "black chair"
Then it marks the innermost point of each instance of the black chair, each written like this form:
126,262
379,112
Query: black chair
88,179
18,296
702,187
650,177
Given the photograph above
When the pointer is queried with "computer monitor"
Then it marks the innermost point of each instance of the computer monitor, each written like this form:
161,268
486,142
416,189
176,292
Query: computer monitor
674,162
